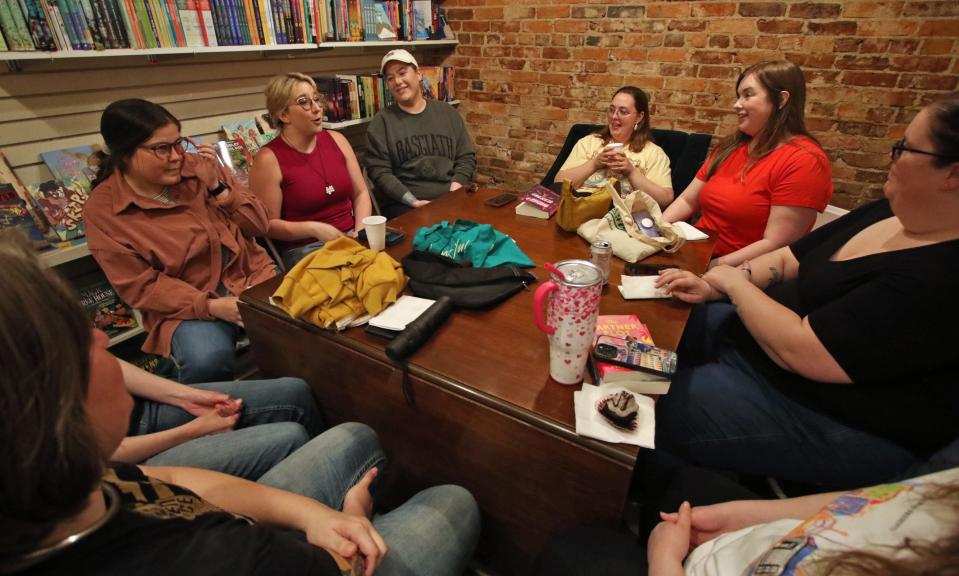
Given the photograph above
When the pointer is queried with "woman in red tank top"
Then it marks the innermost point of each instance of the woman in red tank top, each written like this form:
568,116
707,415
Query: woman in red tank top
308,178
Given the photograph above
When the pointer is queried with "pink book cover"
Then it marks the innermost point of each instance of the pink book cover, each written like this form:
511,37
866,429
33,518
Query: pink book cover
620,326
542,198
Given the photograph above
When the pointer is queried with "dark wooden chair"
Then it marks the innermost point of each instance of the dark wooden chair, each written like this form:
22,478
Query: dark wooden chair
686,152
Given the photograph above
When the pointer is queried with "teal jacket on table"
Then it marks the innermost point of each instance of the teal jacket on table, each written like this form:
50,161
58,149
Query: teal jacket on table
481,244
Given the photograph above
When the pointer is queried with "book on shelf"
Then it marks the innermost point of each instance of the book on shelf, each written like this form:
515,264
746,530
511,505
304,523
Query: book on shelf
234,157
14,214
627,326
62,206
8,177
130,351
538,202
76,166
422,19
244,131
103,305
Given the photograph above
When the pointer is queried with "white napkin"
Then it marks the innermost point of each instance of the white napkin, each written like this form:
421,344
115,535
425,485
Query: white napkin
590,423
402,312
689,231
641,287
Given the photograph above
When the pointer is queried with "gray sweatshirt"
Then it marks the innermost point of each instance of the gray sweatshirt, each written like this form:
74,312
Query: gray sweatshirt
418,153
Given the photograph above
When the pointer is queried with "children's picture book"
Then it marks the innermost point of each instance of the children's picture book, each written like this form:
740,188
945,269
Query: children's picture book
246,132
627,326
62,206
538,202
77,167
431,82
103,305
234,157
14,214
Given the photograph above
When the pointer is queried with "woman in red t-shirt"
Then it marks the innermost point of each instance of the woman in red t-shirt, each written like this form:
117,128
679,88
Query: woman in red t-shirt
308,178
762,187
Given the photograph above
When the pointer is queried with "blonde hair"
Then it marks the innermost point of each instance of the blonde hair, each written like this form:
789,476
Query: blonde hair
280,91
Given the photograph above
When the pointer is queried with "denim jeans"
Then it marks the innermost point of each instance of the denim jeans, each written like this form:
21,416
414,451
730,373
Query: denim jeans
279,416
205,350
432,533
723,413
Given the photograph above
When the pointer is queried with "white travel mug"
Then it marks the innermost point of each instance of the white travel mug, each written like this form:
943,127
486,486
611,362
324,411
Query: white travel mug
573,291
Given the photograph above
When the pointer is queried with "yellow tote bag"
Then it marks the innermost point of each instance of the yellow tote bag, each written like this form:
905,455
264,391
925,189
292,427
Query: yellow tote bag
583,205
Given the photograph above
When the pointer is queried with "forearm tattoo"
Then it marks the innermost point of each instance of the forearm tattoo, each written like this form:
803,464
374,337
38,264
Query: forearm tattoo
775,276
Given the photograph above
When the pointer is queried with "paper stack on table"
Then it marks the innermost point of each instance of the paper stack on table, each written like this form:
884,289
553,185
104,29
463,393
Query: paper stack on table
589,422
641,287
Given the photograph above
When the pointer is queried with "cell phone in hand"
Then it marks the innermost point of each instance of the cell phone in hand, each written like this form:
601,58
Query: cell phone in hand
501,200
635,355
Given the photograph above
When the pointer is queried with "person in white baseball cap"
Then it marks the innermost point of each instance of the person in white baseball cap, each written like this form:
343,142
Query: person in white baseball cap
417,149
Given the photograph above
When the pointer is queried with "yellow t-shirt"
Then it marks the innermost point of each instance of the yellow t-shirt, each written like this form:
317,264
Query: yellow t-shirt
651,160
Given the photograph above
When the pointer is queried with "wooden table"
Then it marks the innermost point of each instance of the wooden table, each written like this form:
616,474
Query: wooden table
485,413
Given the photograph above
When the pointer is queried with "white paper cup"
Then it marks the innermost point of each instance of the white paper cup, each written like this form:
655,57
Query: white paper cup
375,227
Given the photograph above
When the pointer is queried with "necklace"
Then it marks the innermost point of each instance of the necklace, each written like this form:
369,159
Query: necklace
304,157
112,498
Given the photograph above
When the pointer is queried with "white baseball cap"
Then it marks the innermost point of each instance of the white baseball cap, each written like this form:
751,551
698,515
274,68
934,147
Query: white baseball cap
398,55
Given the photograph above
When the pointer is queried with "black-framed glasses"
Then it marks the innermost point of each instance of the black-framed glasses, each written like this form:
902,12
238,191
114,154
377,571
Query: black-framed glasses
163,150
900,146
307,103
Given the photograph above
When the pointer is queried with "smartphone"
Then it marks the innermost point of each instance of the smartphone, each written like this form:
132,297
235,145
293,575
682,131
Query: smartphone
501,200
392,236
637,269
635,355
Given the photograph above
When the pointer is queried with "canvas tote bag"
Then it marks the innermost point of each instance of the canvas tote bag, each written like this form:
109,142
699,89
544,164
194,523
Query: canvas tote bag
620,230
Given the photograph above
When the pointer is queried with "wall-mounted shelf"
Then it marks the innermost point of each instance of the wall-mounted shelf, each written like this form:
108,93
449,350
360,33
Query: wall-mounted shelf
358,121
58,256
151,52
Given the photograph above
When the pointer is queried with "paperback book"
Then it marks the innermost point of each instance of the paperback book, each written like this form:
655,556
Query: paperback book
244,131
62,205
14,214
627,326
103,305
538,202
234,157
73,166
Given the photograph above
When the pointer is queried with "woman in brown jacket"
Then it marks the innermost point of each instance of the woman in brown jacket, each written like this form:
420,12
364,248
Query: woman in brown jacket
174,233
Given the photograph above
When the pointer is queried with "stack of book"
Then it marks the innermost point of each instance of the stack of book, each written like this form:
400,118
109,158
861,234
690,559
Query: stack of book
626,326
66,25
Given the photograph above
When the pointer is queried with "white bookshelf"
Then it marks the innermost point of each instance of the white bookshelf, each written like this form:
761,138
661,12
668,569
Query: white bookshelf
357,122
196,51
58,256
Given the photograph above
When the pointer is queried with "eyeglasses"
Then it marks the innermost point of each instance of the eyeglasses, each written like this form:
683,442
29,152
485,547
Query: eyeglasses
165,149
307,103
622,112
900,146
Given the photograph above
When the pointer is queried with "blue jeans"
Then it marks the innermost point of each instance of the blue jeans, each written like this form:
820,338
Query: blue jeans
433,533
723,413
205,350
279,416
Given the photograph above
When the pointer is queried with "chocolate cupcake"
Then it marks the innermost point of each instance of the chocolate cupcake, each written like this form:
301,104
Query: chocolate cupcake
620,409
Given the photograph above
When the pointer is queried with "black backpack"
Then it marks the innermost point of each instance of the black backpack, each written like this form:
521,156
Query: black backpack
434,276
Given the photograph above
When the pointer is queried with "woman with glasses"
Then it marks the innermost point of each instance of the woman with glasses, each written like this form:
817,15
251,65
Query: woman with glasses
834,359
174,233
762,187
624,149
308,178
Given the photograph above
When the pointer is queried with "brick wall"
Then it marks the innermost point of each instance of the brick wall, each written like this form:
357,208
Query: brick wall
528,69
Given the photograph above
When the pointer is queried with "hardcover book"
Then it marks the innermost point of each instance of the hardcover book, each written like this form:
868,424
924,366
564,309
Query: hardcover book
538,202
103,305
235,158
62,205
627,326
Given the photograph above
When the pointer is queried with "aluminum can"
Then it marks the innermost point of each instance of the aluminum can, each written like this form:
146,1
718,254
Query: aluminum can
600,254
